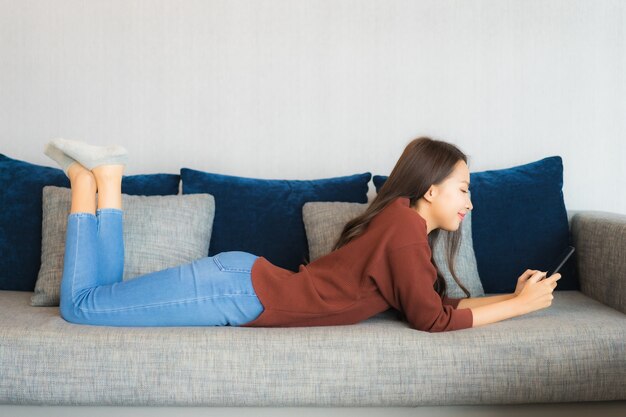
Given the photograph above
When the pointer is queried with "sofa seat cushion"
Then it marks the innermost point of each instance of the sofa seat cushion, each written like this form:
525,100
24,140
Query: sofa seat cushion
572,351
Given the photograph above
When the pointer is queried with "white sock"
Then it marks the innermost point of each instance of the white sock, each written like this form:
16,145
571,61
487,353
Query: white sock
91,156
56,154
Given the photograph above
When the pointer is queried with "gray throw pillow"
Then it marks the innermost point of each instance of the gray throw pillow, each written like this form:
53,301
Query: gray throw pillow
159,232
324,221
465,265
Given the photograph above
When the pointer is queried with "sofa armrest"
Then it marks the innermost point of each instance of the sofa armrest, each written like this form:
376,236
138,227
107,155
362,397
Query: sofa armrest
600,241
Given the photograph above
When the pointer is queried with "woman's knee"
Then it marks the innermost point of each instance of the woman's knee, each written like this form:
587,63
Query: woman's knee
69,309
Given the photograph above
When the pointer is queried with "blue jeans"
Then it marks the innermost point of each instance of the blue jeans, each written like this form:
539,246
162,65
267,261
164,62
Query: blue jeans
210,291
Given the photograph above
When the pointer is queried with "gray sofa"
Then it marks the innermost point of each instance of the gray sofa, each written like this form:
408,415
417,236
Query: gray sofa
575,350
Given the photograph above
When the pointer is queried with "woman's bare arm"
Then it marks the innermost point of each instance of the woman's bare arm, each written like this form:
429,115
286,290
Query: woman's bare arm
535,295
494,312
483,301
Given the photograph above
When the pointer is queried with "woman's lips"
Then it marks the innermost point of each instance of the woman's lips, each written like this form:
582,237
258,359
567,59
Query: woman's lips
461,216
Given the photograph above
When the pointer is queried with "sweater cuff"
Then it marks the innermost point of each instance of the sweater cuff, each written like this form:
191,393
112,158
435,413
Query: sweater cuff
454,302
464,318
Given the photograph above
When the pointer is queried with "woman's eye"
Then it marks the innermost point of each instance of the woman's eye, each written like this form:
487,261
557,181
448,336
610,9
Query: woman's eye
464,191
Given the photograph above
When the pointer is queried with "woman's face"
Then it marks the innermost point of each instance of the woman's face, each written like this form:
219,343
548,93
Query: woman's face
451,198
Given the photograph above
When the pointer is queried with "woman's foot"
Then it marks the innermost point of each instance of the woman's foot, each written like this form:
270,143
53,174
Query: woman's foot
57,155
92,156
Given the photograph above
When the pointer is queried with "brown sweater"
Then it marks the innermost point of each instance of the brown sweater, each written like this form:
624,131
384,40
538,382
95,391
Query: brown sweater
386,266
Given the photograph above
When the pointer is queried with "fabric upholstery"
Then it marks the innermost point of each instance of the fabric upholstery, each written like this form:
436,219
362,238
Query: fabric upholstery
572,351
600,240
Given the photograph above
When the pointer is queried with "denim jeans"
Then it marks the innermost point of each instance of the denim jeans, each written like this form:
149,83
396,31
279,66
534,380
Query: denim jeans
210,291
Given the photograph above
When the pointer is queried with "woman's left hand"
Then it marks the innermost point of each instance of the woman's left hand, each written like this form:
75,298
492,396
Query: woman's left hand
521,281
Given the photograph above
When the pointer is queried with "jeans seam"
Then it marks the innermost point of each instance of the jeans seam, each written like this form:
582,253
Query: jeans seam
163,304
223,268
75,263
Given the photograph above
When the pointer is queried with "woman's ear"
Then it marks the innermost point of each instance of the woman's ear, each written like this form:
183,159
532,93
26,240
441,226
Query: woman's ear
430,193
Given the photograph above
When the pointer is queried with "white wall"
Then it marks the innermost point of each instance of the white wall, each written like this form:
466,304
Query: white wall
315,89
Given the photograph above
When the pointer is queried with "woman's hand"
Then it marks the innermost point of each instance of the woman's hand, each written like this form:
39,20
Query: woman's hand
537,292
521,281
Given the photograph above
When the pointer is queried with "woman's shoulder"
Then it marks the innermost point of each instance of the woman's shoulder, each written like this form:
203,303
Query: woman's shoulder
401,223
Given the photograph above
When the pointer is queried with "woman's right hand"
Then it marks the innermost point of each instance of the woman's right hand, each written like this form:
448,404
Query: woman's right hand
537,292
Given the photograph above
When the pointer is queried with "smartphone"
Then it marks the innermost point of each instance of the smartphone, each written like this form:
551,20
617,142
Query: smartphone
561,261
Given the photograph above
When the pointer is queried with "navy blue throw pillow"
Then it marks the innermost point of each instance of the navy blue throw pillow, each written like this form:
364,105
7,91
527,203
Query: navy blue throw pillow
519,222
264,216
20,219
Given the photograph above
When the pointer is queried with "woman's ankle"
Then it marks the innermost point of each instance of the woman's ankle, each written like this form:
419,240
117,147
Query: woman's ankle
76,172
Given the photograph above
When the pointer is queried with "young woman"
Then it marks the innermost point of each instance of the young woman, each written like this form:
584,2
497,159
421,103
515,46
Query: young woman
382,260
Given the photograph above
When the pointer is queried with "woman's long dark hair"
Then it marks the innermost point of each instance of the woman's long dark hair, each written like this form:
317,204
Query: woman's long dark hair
424,162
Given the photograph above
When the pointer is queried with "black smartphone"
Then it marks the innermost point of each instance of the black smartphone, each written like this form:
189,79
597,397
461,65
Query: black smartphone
561,261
